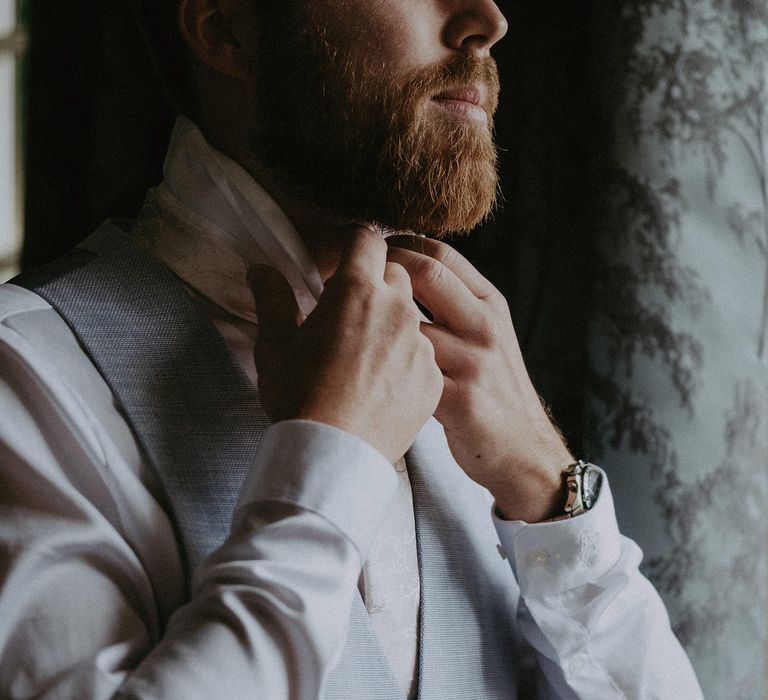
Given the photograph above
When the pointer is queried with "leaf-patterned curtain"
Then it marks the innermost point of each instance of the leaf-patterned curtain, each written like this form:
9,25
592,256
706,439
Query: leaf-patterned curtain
678,404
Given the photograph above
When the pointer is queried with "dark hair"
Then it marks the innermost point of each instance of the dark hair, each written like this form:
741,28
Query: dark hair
158,26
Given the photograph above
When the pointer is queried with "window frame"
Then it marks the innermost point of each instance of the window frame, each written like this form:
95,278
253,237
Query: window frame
13,45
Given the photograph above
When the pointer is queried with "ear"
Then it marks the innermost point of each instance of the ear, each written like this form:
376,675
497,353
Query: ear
206,27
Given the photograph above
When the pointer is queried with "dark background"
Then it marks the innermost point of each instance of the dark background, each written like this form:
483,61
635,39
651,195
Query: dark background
98,126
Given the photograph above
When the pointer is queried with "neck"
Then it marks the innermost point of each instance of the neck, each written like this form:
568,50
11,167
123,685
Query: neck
321,228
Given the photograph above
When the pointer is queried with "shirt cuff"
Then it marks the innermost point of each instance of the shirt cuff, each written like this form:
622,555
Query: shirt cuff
323,469
554,557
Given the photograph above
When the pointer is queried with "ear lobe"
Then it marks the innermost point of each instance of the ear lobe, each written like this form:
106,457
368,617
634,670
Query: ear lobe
205,26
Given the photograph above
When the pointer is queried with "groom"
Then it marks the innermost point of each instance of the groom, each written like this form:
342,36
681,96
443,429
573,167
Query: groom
240,462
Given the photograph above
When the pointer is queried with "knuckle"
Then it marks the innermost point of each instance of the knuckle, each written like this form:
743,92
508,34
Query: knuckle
407,319
497,300
365,235
446,254
431,271
356,284
487,332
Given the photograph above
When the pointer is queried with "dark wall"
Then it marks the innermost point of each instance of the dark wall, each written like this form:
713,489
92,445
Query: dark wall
538,249
97,125
98,128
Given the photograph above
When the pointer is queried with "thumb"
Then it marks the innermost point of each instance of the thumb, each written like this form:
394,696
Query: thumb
276,308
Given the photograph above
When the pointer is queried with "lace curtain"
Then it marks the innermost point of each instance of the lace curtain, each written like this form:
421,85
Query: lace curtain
678,407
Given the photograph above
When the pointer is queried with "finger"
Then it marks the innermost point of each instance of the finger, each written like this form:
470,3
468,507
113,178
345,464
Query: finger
276,308
365,255
451,258
449,400
451,353
449,300
395,275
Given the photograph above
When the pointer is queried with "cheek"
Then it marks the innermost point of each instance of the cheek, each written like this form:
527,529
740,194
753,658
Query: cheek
396,35
415,41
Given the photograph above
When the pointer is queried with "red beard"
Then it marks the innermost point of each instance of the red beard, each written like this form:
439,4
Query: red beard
339,131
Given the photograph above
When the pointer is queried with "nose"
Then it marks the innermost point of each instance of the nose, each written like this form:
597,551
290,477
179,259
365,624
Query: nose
475,25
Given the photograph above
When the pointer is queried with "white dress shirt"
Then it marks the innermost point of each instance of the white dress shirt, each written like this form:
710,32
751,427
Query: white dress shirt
92,598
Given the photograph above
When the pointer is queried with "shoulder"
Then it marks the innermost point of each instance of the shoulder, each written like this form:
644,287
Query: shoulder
31,328
43,368
57,412
19,302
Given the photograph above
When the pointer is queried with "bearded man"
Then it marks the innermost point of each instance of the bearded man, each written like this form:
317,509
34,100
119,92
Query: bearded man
237,461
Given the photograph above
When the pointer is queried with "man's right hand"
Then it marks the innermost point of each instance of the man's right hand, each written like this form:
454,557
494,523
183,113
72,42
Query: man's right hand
359,362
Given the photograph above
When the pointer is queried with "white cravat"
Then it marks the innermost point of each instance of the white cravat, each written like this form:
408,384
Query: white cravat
209,221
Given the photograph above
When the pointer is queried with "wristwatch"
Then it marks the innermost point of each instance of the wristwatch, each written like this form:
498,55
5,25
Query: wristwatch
582,482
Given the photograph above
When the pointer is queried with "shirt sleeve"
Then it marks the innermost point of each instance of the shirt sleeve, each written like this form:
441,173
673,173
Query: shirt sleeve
598,627
80,615
270,609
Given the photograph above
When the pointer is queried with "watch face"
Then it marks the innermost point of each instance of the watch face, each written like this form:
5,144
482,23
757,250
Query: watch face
591,481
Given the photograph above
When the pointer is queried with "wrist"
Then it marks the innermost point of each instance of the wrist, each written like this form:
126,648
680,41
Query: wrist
536,493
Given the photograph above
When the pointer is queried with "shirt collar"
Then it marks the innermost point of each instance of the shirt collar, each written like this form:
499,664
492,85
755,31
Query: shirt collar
210,221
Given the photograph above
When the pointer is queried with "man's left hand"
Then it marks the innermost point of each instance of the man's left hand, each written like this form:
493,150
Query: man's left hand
495,423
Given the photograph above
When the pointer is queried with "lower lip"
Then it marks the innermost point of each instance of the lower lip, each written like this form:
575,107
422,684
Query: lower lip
463,109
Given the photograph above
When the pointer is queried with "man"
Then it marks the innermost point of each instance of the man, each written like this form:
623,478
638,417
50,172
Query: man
161,537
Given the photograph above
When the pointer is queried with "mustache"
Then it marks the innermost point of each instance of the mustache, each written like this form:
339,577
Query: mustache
461,71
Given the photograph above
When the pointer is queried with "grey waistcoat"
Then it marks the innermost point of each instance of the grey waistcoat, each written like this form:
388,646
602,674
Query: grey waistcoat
199,422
